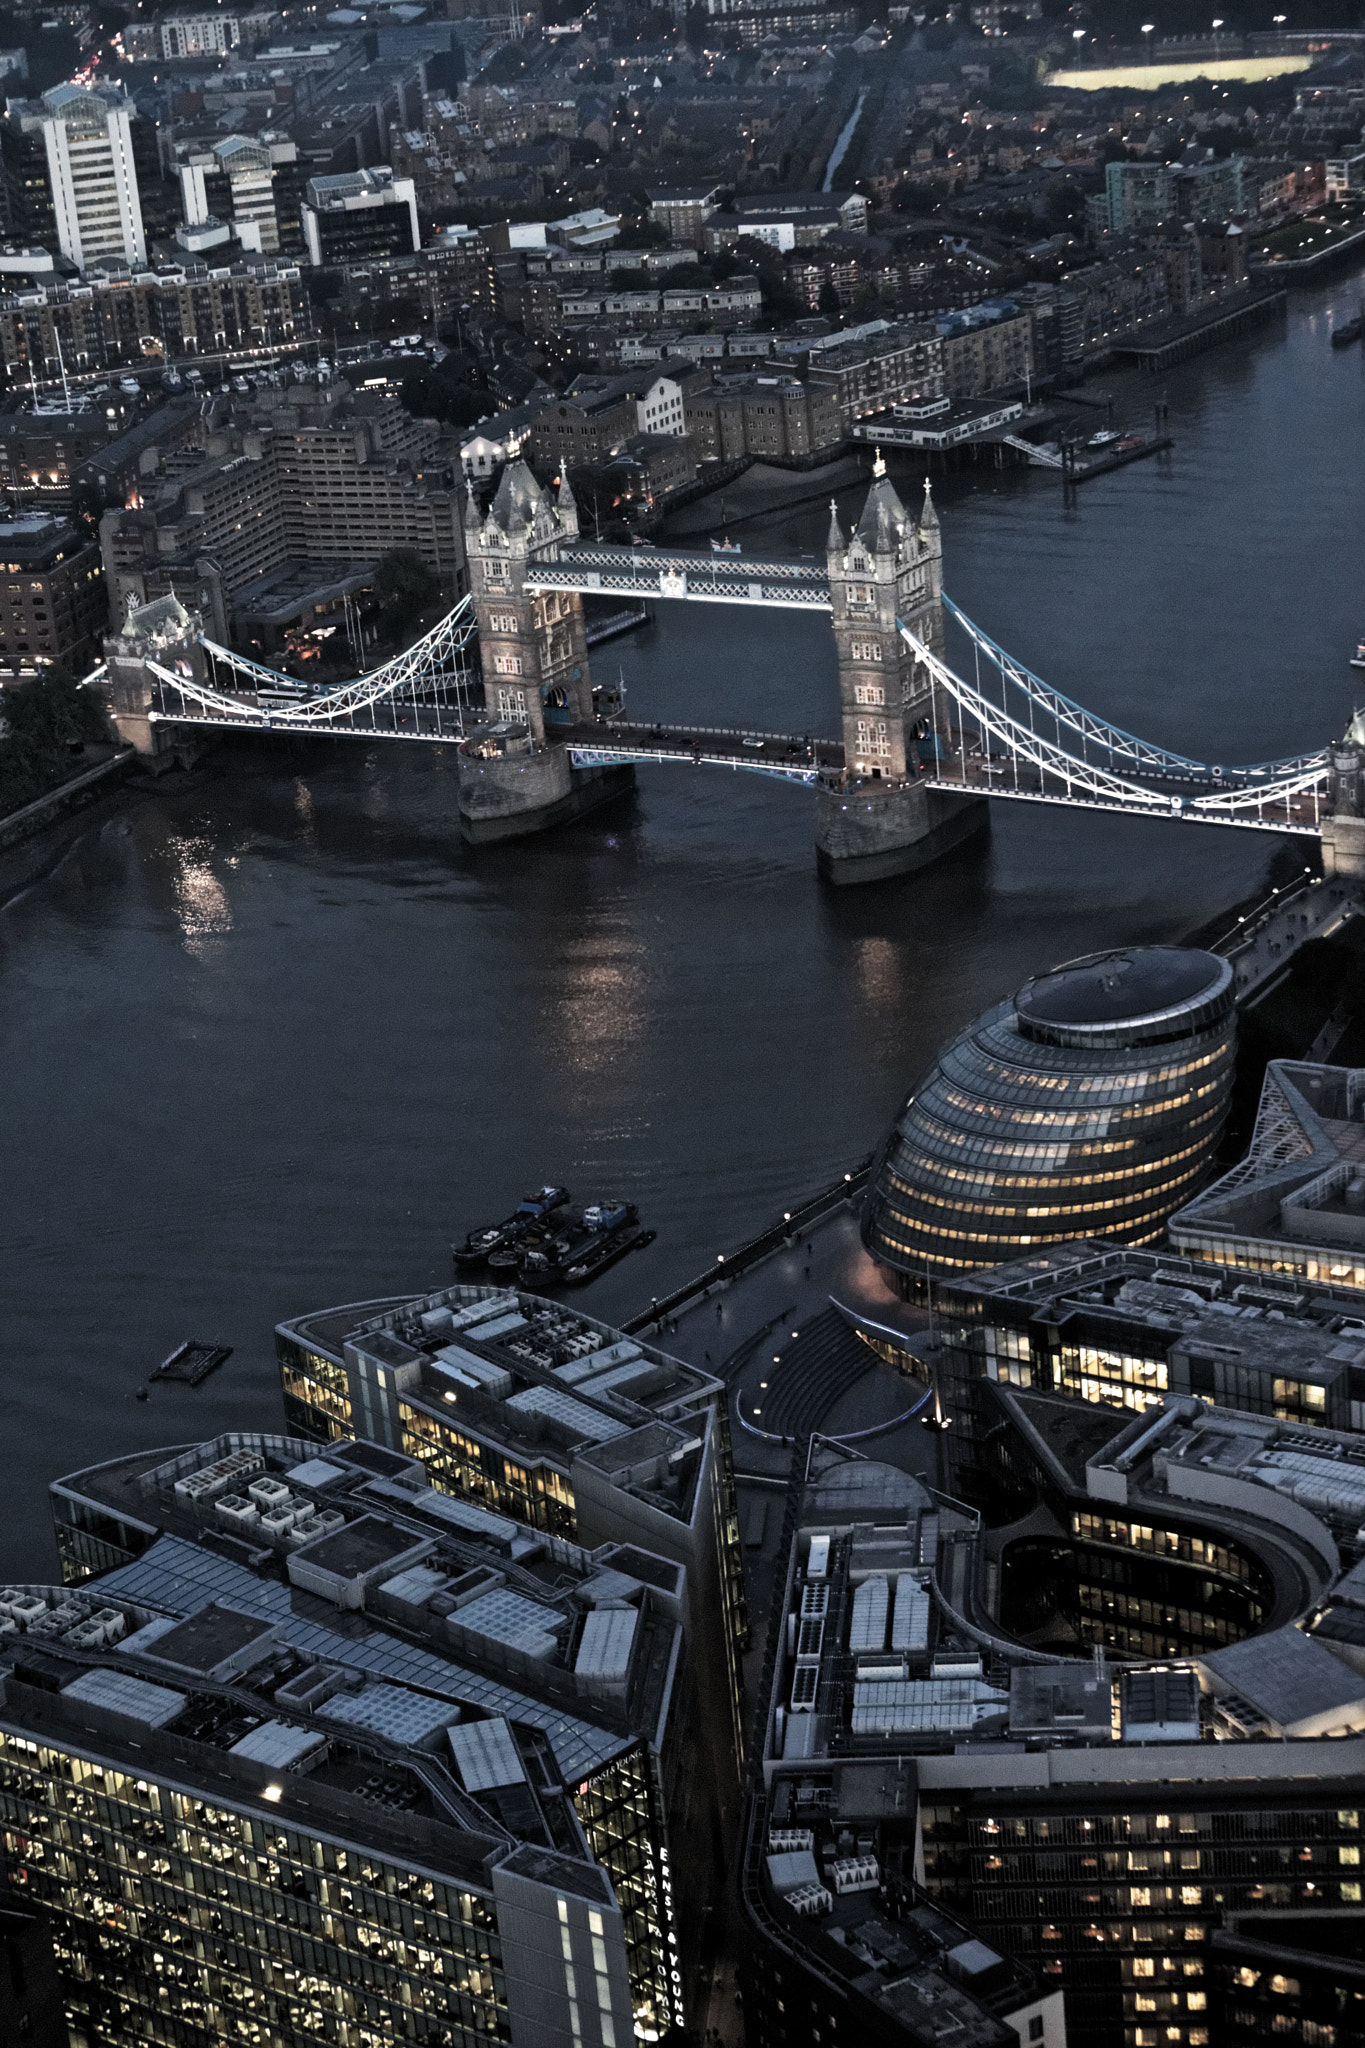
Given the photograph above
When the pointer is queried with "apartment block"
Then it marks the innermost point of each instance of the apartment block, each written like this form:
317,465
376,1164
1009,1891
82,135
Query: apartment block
52,603
315,475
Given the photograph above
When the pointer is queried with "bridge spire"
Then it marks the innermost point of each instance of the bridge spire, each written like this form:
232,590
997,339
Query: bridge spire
836,532
928,518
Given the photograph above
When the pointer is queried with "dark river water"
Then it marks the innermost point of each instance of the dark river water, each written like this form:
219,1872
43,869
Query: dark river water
271,1042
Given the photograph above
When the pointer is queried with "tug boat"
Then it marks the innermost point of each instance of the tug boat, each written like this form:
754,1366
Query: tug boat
1358,658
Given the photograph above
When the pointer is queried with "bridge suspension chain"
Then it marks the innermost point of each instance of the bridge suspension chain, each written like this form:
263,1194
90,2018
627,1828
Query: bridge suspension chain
1121,746
427,674
1085,781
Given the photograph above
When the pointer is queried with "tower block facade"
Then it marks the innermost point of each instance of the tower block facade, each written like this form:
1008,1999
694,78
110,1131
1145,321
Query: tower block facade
516,775
890,568
884,820
533,644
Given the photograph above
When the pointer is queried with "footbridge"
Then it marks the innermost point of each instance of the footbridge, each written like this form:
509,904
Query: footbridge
927,743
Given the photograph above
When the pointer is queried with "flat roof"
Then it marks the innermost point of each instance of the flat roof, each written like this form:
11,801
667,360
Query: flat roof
208,1638
359,1547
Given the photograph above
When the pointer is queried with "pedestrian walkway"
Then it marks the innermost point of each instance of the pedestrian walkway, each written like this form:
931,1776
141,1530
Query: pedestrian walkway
1263,942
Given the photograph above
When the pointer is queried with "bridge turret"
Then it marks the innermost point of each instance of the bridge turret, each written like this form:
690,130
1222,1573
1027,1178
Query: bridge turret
1343,831
533,645
166,632
888,819
891,568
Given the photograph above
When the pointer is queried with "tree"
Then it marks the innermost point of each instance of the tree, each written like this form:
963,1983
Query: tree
829,300
405,586
43,721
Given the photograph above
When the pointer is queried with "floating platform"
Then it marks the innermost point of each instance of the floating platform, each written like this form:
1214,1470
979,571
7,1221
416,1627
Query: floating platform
192,1362
1102,464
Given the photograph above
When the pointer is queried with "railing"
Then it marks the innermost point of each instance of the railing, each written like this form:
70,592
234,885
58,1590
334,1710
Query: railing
729,1265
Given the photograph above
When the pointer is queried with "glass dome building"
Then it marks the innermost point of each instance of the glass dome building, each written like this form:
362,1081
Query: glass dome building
1089,1105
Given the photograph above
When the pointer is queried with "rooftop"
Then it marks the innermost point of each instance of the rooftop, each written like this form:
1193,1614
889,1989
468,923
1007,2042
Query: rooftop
1148,990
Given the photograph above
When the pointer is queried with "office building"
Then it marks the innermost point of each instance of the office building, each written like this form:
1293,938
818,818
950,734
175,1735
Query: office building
1300,1975
555,1420
1090,1103
52,602
359,216
1113,1324
372,1764
1295,1205
945,1718
245,181
87,134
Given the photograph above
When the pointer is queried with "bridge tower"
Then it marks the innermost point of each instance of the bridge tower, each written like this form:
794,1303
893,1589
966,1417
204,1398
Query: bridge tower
515,773
1343,830
883,821
165,632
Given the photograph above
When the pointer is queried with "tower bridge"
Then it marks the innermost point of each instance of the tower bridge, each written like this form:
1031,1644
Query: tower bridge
924,748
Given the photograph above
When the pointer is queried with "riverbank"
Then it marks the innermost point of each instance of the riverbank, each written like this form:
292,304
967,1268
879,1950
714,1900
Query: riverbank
38,850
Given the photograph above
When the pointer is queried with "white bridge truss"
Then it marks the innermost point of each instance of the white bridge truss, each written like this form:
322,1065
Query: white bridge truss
425,693
1007,739
1004,734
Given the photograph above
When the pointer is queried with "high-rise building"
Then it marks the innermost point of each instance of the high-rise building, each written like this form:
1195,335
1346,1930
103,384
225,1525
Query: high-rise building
88,136
370,1763
1098,1786
557,1421
245,181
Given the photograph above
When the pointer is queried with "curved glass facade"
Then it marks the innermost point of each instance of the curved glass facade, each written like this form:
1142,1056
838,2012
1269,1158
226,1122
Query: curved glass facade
1089,1105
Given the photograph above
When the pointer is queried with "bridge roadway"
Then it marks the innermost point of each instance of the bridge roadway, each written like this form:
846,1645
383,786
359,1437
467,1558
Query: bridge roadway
789,757
793,757
711,578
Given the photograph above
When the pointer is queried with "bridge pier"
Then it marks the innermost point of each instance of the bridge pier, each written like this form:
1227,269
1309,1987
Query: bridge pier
874,831
510,789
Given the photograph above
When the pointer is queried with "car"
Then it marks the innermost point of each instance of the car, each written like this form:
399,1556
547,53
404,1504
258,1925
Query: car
750,741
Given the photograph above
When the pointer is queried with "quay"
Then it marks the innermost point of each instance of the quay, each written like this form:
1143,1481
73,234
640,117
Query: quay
1294,268
1175,341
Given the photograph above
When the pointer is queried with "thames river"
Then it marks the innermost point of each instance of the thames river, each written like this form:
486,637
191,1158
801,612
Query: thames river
274,1041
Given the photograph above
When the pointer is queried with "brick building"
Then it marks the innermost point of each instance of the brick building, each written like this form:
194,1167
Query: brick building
52,608
186,309
774,415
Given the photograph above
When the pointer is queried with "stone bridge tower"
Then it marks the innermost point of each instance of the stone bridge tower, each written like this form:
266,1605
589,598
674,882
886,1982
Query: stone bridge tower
884,821
890,568
516,776
533,645
1343,830
166,632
